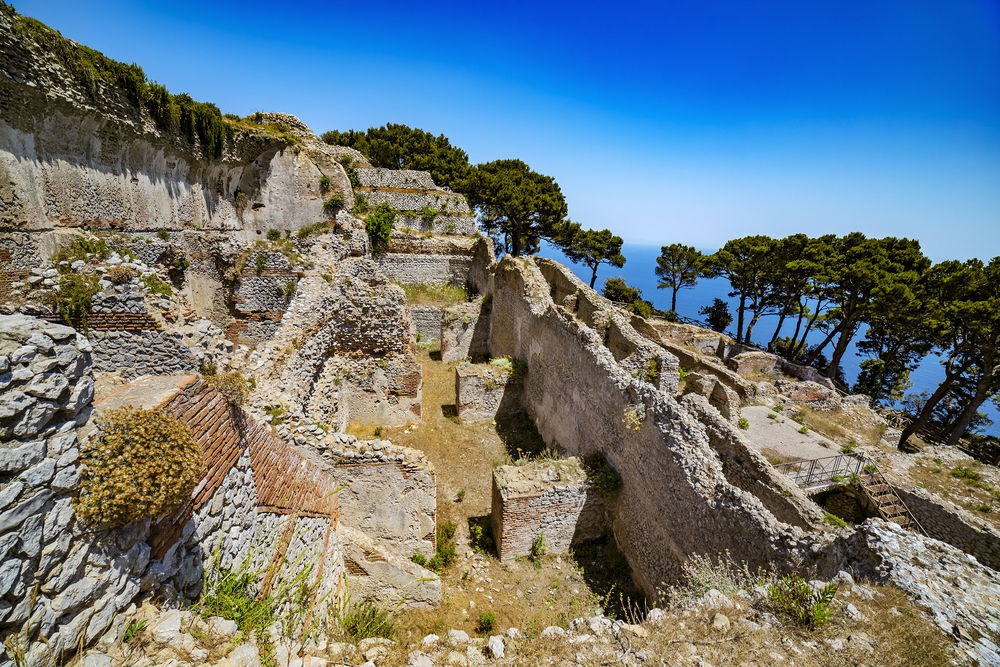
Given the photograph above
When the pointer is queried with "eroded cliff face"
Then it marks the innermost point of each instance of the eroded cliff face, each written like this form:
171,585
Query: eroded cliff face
72,157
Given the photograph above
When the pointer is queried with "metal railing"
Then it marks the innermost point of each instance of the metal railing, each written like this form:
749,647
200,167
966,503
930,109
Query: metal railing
811,473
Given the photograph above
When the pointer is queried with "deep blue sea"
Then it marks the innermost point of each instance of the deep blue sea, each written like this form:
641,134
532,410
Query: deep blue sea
638,272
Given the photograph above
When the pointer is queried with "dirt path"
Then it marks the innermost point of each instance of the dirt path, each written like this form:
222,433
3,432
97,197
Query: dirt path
780,439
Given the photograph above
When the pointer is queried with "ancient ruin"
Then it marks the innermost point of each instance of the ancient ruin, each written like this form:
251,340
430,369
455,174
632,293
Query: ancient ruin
138,270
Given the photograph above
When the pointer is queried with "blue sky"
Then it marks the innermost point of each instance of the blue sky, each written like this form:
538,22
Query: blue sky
684,121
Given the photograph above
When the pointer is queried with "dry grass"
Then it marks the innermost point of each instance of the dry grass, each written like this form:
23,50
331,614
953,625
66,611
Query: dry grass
973,495
426,294
841,426
774,457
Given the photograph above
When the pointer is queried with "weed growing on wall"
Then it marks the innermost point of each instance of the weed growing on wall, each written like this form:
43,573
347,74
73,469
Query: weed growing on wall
724,573
141,464
232,385
324,184
365,619
633,416
72,298
333,204
379,225
121,274
361,205
486,623
157,285
601,476
81,248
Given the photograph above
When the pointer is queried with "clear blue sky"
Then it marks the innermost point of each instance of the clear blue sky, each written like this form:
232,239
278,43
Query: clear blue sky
686,121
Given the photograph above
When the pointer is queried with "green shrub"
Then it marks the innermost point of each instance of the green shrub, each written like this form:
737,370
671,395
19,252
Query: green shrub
427,214
324,183
601,476
795,599
140,464
333,204
446,552
156,285
365,620
361,205
419,559
163,234
834,520
233,596
966,474
121,274
803,430
79,249
847,449
379,225
460,496
260,262
133,630
273,235
743,423
486,623
72,298
538,549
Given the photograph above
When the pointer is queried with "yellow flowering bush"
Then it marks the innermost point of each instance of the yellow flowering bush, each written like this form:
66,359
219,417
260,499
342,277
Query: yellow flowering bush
232,385
141,464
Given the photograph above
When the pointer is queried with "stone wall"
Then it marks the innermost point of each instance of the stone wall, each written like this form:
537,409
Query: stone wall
465,331
350,331
433,260
426,322
387,576
548,500
945,522
389,492
587,392
63,581
483,391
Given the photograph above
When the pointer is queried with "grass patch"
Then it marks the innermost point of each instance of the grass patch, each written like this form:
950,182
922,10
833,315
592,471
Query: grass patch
428,294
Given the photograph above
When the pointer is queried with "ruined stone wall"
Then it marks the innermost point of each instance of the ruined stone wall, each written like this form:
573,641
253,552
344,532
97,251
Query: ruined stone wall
465,331
432,260
64,581
375,572
483,391
548,503
945,522
388,492
426,322
586,397
744,467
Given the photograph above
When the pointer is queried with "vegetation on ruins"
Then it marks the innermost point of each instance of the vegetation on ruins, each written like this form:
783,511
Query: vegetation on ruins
797,600
334,204
361,205
121,274
72,298
366,619
232,385
590,247
324,184
156,285
379,225
679,267
140,464
619,291
601,476
397,146
517,206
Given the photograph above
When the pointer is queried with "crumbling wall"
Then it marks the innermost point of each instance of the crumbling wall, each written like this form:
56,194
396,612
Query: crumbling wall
65,580
432,260
389,492
586,398
484,391
945,522
546,504
391,578
465,331
351,331
426,322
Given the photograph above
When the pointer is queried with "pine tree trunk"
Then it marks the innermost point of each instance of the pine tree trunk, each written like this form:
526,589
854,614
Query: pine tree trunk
739,320
925,413
673,299
593,276
777,329
838,352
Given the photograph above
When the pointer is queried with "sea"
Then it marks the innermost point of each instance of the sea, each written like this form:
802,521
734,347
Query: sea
638,272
